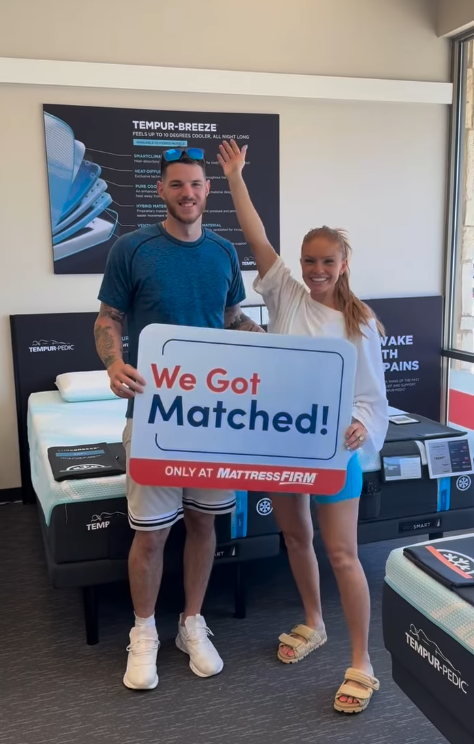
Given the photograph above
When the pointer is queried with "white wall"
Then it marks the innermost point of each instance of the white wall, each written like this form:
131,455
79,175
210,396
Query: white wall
380,38
455,16
376,169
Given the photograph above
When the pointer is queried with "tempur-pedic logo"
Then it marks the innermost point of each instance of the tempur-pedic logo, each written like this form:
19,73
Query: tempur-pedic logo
429,650
103,520
52,345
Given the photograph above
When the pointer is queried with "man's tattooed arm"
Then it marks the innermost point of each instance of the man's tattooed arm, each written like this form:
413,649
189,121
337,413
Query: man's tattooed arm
236,320
108,334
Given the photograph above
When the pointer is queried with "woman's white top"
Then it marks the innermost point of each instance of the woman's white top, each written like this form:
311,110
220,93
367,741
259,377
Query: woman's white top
292,311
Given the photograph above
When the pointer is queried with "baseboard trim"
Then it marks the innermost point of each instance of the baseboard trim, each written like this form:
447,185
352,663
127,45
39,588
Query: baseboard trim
10,494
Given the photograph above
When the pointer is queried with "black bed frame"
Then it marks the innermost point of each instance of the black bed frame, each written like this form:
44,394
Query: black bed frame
44,346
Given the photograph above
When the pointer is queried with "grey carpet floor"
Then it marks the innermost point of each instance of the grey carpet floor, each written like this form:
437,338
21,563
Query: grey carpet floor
55,688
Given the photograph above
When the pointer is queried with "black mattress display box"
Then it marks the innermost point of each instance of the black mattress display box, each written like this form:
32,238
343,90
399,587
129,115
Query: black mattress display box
403,487
428,627
86,530
93,530
400,491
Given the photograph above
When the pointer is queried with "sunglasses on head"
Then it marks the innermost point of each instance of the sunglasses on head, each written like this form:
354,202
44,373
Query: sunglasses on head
176,153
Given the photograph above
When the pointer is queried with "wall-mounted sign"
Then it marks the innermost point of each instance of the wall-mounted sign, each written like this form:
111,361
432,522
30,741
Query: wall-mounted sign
104,164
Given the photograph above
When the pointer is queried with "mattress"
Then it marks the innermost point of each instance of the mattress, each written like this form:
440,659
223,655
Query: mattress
54,423
85,520
436,602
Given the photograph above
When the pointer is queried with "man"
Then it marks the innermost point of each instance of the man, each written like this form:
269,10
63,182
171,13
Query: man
175,272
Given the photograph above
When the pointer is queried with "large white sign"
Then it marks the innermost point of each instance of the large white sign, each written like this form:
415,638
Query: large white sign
227,409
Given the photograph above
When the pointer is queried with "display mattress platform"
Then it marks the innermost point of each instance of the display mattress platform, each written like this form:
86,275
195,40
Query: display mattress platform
429,632
54,423
86,519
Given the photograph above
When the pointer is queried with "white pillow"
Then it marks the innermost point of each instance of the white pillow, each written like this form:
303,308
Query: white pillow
82,386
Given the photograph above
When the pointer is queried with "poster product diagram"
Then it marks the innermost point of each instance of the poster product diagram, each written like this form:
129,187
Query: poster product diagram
103,165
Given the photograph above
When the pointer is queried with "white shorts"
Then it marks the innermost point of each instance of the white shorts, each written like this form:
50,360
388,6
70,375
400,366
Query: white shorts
158,507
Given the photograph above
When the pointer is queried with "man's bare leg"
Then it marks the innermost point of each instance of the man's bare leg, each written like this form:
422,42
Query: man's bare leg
193,635
145,573
199,552
145,568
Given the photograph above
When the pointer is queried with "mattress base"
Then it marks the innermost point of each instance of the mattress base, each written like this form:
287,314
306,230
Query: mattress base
73,535
432,668
81,573
86,530
440,717
423,523
105,570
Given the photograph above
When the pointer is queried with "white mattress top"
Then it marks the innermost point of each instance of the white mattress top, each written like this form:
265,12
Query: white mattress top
54,423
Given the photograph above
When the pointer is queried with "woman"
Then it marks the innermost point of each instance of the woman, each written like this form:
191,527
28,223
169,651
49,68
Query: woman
323,305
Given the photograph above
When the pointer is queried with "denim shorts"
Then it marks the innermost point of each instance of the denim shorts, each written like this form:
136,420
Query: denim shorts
352,487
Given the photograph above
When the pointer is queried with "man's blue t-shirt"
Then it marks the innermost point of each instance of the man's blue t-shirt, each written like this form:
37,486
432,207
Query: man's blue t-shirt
154,278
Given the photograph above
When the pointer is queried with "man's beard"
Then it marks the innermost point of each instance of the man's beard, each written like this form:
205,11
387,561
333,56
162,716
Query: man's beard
181,218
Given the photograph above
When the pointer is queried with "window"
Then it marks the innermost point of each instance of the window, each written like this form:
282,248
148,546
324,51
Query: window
460,408
459,325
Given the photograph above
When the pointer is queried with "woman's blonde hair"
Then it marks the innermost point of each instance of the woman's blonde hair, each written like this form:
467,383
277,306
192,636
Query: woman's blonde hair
356,312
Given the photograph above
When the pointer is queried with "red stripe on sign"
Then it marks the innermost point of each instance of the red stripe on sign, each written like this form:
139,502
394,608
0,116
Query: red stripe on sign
235,477
444,560
461,409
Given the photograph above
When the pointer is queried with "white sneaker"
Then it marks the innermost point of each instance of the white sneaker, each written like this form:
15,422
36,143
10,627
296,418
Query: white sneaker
141,671
193,639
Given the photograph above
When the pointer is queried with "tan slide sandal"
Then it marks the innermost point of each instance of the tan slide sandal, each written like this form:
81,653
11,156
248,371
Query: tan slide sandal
308,641
362,697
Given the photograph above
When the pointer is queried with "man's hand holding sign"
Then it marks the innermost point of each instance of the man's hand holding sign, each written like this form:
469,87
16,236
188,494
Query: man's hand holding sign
219,411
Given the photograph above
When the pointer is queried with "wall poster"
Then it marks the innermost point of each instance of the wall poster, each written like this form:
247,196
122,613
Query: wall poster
411,350
103,165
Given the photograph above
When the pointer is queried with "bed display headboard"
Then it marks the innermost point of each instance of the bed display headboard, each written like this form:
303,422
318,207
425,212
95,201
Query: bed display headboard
43,347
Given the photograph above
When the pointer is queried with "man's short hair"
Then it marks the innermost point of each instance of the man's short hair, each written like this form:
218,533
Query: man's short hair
183,159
